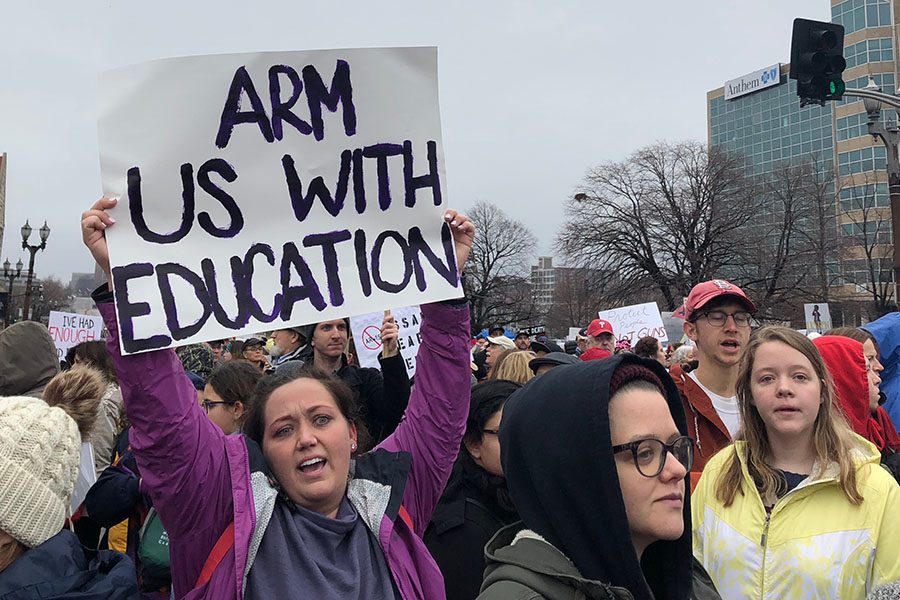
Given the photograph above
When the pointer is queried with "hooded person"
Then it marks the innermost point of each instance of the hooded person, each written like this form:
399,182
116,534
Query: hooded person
853,391
29,359
594,524
40,447
886,332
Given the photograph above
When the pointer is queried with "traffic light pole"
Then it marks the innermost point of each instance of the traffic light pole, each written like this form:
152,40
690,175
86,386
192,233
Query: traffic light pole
890,137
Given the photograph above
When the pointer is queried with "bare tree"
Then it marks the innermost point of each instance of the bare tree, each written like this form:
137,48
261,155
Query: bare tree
578,295
868,242
497,272
668,217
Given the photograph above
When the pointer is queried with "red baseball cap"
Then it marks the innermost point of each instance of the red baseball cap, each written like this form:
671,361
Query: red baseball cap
702,293
599,326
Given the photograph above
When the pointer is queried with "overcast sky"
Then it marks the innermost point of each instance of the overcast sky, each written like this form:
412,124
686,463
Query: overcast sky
532,93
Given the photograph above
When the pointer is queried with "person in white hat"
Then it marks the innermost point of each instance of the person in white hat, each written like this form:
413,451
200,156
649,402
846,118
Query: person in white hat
40,448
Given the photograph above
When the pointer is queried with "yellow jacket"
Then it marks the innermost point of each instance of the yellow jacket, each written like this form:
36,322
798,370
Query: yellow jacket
814,544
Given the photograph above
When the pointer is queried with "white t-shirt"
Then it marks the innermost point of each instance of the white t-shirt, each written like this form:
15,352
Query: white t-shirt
726,407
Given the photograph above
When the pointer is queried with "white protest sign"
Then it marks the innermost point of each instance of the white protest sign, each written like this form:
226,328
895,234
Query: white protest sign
573,333
818,317
636,321
260,191
366,331
70,329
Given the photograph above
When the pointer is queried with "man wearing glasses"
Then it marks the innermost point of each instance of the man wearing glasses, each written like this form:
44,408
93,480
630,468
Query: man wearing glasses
717,317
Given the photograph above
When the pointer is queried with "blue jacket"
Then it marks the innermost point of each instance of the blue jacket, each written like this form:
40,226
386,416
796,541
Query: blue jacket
61,568
887,333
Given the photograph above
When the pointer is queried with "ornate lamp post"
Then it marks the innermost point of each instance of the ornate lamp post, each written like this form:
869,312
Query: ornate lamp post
10,275
44,232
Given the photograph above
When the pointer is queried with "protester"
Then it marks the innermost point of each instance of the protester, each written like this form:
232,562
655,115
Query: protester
233,350
523,340
798,507
253,352
29,359
496,330
682,355
649,347
302,421
856,391
476,502
496,345
290,345
600,334
596,459
886,332
382,394
228,392
40,447
543,345
111,415
117,497
717,320
514,366
542,364
218,350
623,345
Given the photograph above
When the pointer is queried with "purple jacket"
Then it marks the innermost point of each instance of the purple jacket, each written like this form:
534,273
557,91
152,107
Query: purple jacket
199,479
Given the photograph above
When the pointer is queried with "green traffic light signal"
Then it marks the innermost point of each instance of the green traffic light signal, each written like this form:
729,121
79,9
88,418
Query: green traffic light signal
817,60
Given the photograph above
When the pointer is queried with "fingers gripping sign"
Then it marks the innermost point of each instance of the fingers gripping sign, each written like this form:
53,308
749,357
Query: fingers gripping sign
94,223
390,333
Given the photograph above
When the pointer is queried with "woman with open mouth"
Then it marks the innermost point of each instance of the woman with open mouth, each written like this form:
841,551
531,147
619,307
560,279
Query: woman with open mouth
798,506
290,510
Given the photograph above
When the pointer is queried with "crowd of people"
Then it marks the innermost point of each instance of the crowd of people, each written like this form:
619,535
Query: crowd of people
748,462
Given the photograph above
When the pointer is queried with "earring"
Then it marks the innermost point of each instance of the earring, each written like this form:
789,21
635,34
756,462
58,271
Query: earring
353,446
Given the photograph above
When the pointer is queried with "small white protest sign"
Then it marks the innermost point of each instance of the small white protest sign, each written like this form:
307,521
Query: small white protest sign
818,317
636,321
366,331
70,329
259,191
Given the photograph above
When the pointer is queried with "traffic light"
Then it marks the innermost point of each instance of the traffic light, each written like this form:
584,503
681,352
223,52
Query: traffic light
817,60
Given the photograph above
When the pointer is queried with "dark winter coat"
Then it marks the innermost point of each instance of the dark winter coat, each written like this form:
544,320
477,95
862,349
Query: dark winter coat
382,395
473,508
523,566
62,569
562,475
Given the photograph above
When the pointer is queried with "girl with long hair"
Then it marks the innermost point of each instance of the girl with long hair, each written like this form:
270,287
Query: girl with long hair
798,506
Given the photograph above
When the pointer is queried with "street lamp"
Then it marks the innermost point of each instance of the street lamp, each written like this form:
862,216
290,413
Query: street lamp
44,233
10,275
889,134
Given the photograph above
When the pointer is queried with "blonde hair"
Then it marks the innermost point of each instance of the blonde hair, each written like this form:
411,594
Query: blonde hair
832,438
514,366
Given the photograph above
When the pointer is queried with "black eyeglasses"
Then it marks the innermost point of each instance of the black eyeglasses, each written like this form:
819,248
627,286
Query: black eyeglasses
491,431
718,318
208,404
650,455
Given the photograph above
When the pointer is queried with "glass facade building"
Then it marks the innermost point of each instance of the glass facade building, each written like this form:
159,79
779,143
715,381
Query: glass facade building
768,127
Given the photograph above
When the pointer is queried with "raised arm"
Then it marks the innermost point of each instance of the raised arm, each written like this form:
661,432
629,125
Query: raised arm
180,453
439,403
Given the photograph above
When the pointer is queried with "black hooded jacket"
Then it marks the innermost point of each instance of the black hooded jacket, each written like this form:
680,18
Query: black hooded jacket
558,460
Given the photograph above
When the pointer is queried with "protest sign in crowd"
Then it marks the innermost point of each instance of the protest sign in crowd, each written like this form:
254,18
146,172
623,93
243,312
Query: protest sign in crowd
290,403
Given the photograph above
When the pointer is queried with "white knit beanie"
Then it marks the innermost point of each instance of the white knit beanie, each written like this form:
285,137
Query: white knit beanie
39,455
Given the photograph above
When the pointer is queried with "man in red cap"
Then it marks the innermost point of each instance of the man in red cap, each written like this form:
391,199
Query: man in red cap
601,340
717,317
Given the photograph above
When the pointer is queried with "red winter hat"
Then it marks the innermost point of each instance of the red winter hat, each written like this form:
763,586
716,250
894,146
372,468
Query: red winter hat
702,293
599,326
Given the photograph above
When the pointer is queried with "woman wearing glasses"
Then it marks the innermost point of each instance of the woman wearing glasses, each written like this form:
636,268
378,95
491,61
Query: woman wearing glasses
596,460
227,392
798,507
476,502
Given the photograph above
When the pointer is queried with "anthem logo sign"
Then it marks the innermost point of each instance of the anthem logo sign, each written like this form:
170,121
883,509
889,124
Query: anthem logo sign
752,82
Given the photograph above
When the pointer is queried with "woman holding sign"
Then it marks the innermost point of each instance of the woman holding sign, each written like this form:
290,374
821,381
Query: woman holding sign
291,507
